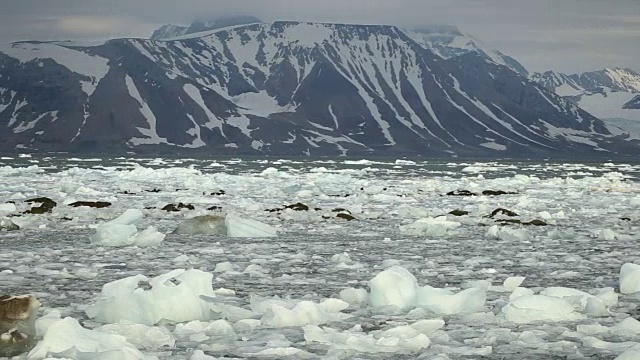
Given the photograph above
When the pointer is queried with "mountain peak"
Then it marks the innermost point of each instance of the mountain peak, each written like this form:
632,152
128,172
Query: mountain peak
200,25
448,42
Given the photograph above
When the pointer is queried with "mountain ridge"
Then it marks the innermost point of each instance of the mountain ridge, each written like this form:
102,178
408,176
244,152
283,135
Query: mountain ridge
169,31
607,93
286,88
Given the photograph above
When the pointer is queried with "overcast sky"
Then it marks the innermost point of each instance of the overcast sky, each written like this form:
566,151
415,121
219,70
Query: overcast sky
564,35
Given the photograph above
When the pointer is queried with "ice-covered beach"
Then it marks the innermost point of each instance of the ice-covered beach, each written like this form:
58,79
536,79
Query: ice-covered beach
335,259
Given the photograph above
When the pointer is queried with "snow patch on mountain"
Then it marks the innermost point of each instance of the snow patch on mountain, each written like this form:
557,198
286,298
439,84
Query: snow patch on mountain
260,103
151,133
195,131
92,66
571,135
27,125
195,94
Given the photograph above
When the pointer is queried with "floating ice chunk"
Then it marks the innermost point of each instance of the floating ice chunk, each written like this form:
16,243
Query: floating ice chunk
227,311
149,237
343,261
394,286
413,212
404,339
354,296
224,267
607,234
341,258
428,326
44,322
241,227
129,217
199,337
122,231
615,347
7,208
305,313
633,353
200,355
594,329
579,299
493,231
246,325
261,305
291,189
511,283
628,326
202,225
114,235
68,335
124,300
224,292
8,225
398,287
445,302
280,352
220,328
557,234
481,284
181,259
439,226
608,296
405,162
141,336
596,308
530,308
414,339
190,328
545,215
507,234
255,270
629,278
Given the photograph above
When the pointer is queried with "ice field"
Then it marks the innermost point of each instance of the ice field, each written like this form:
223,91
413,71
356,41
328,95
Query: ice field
323,259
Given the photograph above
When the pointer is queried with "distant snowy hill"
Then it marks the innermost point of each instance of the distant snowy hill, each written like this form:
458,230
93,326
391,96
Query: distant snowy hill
448,41
607,94
633,103
174,31
286,88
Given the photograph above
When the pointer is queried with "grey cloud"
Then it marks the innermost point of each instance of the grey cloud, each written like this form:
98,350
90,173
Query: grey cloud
567,35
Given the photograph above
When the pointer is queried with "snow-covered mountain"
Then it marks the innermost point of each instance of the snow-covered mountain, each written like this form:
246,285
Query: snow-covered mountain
174,31
633,103
285,88
607,94
448,41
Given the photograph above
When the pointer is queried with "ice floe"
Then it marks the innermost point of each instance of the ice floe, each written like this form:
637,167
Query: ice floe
411,277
